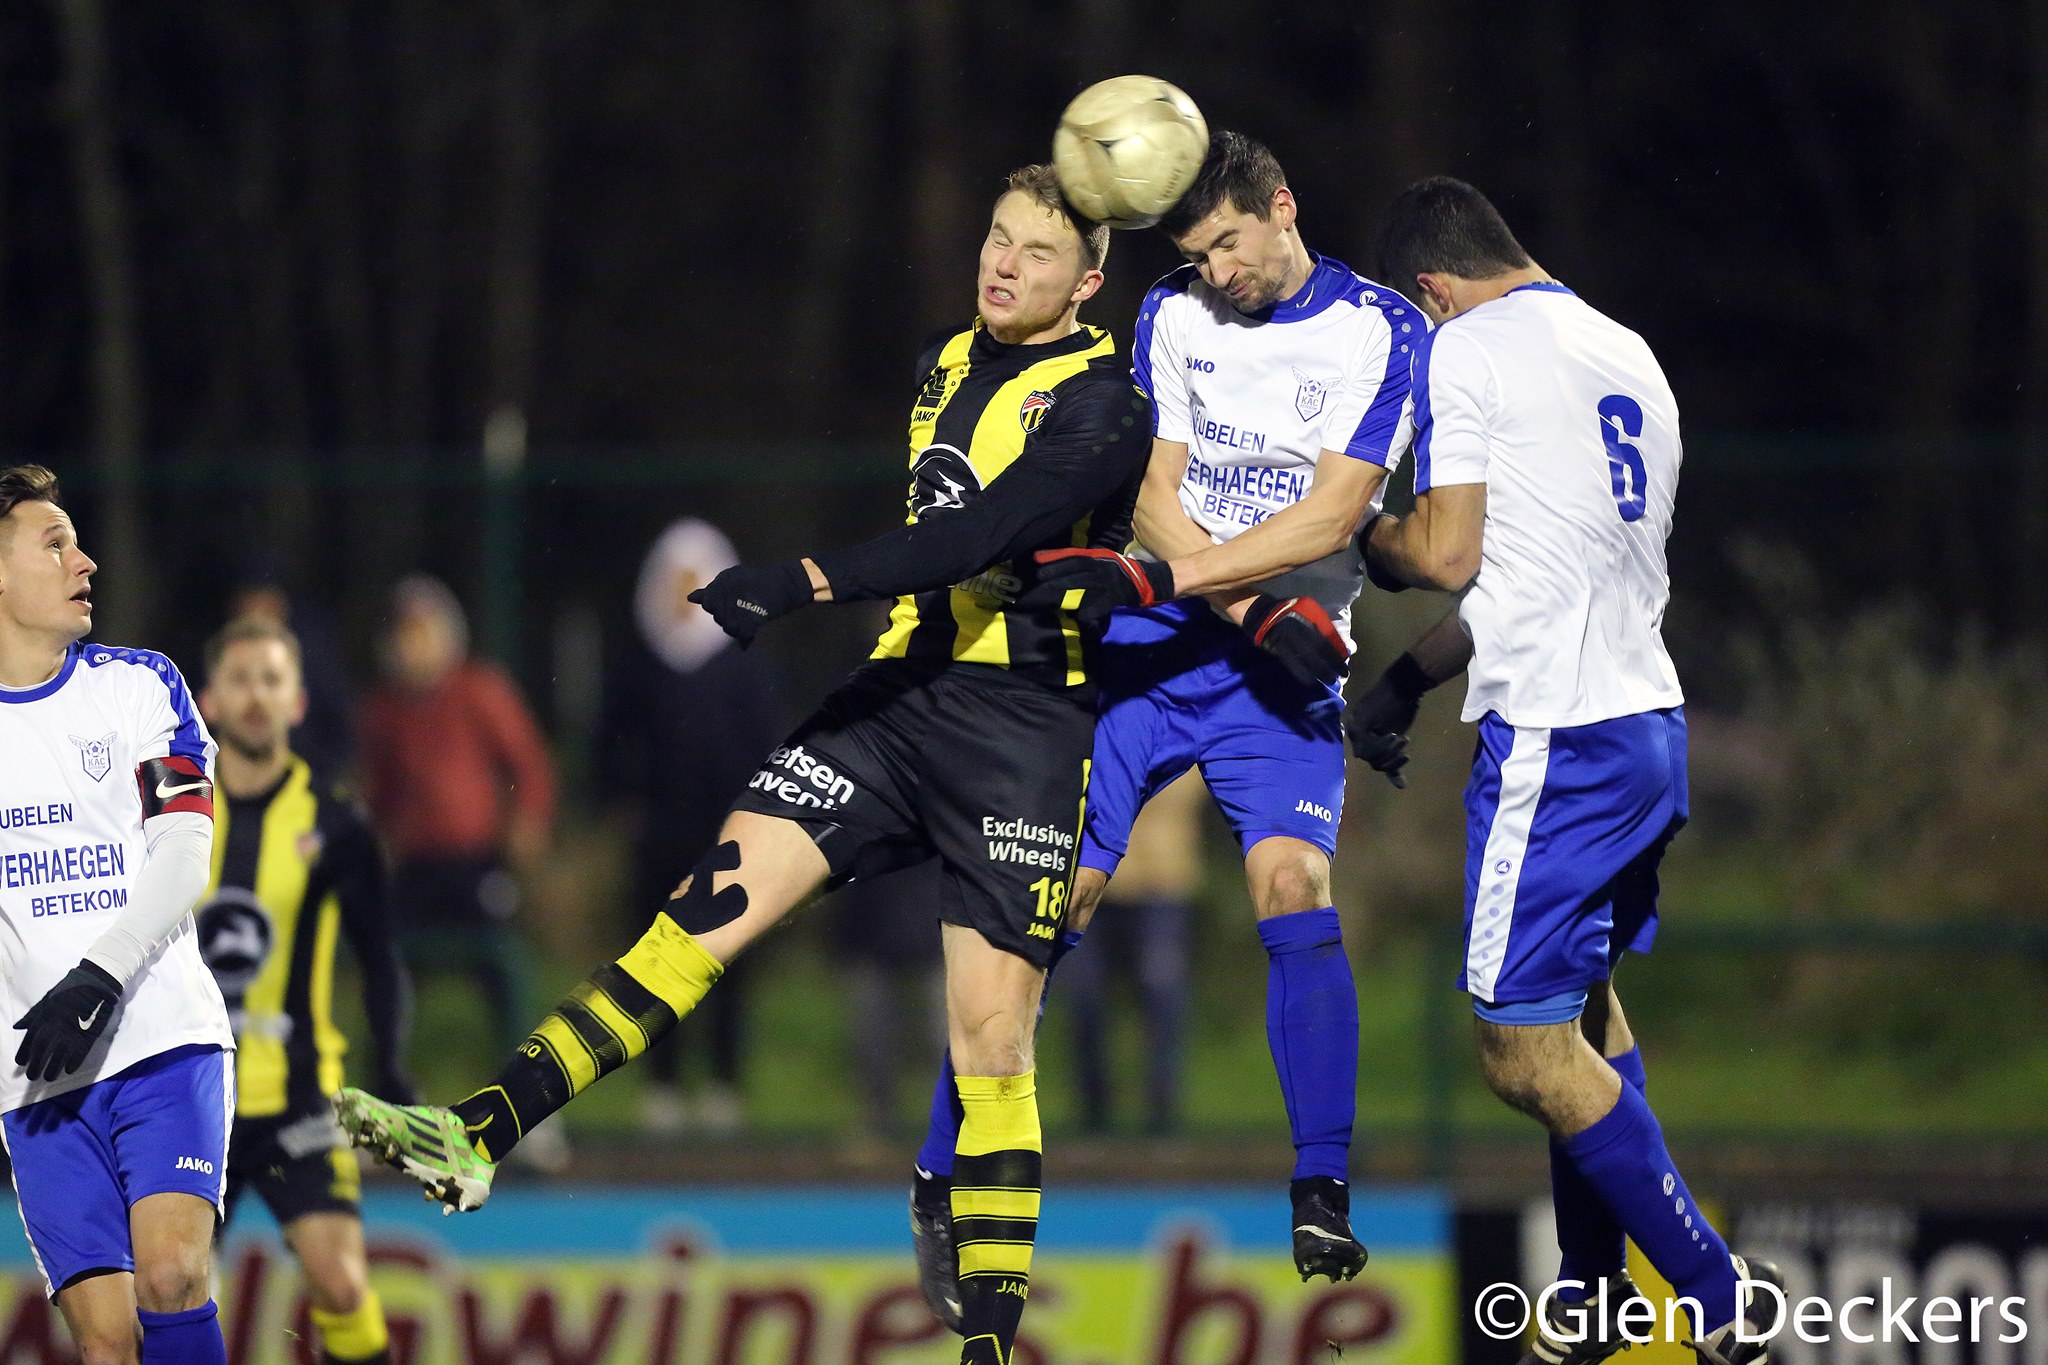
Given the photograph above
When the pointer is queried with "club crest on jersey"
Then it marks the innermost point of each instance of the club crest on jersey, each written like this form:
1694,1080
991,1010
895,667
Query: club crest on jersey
1034,410
96,755
1310,395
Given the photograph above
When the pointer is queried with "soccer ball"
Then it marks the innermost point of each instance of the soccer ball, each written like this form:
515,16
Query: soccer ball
1128,148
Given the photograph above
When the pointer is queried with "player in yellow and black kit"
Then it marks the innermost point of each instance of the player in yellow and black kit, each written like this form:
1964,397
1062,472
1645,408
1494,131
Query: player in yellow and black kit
966,739
295,869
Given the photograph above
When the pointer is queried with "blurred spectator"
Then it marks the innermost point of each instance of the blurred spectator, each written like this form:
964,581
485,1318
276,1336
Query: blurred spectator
1140,930
885,941
459,780
326,738
688,722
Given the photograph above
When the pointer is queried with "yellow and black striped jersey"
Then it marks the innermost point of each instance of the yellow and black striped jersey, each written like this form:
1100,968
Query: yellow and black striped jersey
293,870
1013,449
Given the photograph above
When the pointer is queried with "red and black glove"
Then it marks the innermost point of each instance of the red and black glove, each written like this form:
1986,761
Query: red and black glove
1107,580
1298,632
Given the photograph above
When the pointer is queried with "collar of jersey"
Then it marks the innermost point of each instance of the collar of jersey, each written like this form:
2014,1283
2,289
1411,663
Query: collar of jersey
1541,287
1328,281
1038,350
12,695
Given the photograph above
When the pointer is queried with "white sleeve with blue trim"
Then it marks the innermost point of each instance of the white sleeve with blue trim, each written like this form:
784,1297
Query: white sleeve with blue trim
1372,419
1454,393
169,723
1157,367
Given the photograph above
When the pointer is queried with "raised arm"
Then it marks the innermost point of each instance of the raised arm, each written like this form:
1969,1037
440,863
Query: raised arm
1063,474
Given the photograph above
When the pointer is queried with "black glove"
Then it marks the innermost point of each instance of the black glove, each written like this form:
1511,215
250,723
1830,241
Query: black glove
1374,574
747,597
1107,580
62,1026
1378,722
1298,632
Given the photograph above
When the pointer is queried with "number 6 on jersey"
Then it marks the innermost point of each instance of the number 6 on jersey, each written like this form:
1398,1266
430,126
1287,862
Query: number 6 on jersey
1621,415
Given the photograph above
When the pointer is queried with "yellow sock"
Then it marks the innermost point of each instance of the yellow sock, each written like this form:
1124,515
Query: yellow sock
612,1016
995,1203
360,1335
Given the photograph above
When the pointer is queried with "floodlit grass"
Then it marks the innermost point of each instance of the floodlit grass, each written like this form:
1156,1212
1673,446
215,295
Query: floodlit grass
1733,1039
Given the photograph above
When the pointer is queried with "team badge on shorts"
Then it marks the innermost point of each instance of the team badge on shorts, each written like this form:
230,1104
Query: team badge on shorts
1036,406
96,755
1310,396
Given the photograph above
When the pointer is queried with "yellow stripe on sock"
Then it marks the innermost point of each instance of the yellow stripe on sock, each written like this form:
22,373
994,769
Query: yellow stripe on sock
998,1114
672,965
353,1336
607,1012
570,1051
981,1201
995,1258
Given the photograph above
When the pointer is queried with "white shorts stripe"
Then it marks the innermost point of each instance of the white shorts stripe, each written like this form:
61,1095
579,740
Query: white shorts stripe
227,1074
1507,847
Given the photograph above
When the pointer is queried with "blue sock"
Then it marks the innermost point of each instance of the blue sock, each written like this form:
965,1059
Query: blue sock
1623,1158
942,1129
188,1338
1312,1028
1590,1242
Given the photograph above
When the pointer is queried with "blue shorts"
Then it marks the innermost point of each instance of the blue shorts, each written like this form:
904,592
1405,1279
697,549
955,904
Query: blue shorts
1564,832
1179,687
81,1159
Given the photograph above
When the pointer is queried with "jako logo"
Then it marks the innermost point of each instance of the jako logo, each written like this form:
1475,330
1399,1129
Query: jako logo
1311,808
1203,366
193,1163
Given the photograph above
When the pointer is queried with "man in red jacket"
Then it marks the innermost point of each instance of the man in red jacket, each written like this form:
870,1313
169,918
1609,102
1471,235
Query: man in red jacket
459,780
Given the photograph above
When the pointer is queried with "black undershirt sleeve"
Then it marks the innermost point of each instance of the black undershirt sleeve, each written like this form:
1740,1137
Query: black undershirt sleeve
360,888
1066,471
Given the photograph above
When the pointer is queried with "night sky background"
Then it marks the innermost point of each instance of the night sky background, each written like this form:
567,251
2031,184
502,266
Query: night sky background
268,269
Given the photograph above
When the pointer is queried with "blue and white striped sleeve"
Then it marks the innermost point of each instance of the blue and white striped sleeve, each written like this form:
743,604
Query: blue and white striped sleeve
1452,380
1156,364
170,723
1373,420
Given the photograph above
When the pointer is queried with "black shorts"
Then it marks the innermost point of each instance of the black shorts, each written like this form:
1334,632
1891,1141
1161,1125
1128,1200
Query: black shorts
296,1163
985,772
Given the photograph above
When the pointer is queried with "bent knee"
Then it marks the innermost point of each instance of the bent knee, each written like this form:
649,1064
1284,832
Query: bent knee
173,1285
1291,884
337,1287
993,1043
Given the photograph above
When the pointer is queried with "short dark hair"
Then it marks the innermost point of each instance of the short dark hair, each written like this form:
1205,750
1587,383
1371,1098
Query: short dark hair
1042,183
26,483
1444,226
249,628
1238,168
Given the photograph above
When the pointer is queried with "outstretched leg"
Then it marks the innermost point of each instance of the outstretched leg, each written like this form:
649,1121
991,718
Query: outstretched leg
761,869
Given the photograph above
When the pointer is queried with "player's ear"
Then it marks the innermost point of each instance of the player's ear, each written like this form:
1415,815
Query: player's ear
207,709
1435,295
1283,209
1085,290
299,707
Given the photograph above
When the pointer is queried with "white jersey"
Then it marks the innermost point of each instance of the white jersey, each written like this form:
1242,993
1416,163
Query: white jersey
1258,398
71,845
1567,419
